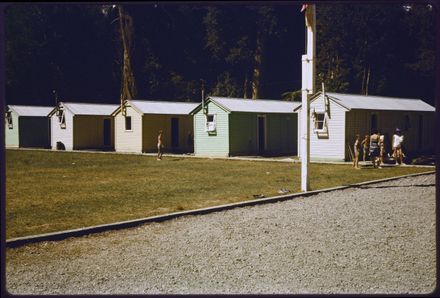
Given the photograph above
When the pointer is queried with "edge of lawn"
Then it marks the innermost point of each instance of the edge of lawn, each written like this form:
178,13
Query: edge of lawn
60,235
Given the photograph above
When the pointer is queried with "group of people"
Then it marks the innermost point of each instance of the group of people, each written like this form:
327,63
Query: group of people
374,146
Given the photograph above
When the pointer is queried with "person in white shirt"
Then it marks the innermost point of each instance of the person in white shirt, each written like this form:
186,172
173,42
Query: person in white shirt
397,147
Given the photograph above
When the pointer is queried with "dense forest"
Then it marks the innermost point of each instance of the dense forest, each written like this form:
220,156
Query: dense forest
102,53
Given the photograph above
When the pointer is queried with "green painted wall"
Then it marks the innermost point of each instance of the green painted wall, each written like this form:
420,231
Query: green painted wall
211,144
281,133
243,133
11,135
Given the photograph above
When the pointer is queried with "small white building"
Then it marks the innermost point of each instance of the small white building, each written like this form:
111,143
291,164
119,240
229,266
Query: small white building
27,126
82,126
137,130
336,119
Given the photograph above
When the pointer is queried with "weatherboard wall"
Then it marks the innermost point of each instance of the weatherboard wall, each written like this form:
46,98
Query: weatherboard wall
89,132
281,133
416,139
152,123
208,143
59,134
128,140
329,146
11,134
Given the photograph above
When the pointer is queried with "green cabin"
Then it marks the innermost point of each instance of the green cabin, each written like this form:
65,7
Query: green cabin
27,126
233,127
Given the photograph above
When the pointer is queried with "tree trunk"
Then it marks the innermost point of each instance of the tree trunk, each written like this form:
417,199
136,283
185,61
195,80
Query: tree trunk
245,86
258,66
128,84
368,81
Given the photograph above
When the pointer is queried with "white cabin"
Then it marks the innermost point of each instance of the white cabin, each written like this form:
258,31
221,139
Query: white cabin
336,119
77,126
27,126
137,130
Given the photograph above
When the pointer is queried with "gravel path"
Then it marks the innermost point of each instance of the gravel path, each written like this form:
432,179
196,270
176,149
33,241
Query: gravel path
378,238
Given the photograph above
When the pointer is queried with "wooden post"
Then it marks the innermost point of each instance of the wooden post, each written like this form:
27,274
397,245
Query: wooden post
308,88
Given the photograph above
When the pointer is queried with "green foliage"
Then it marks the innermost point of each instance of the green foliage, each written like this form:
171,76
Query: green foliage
75,48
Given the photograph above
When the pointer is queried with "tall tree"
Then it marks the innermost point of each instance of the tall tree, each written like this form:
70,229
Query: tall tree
126,31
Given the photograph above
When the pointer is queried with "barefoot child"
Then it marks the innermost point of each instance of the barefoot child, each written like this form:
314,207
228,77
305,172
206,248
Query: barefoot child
365,144
382,150
356,152
159,145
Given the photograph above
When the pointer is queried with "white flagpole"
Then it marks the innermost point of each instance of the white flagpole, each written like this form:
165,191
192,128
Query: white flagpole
308,88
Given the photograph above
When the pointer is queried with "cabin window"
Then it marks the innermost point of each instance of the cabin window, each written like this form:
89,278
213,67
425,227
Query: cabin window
61,118
420,134
9,120
407,123
210,125
127,122
320,119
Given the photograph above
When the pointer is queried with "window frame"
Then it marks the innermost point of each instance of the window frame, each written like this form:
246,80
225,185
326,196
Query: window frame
61,118
9,120
324,122
211,126
131,123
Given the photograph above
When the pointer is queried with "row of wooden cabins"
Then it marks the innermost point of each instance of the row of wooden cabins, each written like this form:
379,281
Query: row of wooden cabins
222,127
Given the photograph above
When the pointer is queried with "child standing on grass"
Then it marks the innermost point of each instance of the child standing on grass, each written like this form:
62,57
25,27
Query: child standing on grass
356,150
159,145
382,150
397,146
365,146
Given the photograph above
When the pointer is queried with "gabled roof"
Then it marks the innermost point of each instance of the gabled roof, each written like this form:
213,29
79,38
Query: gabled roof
159,107
380,103
88,108
163,107
252,105
31,111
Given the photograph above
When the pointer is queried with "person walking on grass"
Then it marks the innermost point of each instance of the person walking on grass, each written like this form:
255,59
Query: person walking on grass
356,150
374,148
397,147
160,145
365,146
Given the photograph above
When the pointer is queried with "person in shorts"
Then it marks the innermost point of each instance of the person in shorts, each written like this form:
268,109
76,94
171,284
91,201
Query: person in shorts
374,148
397,146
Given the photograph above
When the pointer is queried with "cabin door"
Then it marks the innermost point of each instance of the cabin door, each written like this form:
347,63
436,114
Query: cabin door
174,132
261,134
107,132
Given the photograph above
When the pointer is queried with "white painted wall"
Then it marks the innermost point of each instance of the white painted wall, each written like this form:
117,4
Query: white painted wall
128,140
330,146
62,135
12,135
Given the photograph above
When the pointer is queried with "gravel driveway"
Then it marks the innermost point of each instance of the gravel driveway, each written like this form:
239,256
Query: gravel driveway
378,238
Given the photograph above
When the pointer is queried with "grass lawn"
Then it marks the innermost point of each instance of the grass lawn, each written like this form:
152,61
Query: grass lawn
53,191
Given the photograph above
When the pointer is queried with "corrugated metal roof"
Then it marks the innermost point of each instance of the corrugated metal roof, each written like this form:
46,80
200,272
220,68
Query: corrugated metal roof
31,111
90,109
163,107
369,102
255,105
